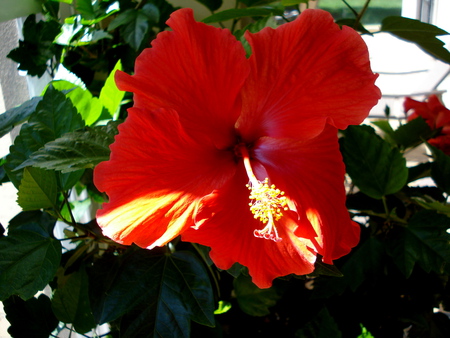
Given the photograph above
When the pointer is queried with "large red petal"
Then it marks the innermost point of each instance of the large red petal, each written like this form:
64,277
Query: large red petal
303,74
227,226
155,177
195,69
312,174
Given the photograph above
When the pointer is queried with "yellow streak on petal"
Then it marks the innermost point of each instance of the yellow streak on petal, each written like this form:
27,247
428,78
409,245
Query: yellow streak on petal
121,222
314,218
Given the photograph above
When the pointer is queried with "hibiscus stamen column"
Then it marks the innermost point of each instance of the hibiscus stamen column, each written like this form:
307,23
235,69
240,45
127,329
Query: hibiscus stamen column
267,201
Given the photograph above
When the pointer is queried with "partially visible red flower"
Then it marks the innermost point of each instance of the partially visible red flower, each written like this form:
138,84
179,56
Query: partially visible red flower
436,116
211,131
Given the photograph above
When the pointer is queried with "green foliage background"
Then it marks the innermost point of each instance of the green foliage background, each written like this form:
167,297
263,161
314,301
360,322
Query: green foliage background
389,283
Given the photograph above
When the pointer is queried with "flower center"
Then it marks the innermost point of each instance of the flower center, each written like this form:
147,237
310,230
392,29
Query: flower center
267,202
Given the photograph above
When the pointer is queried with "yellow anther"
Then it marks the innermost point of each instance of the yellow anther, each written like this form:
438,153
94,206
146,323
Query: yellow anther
267,203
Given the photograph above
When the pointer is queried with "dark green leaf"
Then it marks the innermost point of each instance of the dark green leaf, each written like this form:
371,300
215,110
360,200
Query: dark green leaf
420,33
440,169
320,268
237,13
364,263
253,300
254,27
76,150
321,326
36,221
386,128
212,5
122,19
37,190
30,318
412,133
375,167
425,241
71,303
28,261
17,115
38,43
54,116
159,295
419,171
351,23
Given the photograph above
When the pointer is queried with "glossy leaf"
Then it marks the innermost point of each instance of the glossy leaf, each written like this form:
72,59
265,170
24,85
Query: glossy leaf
28,261
110,95
55,115
30,318
37,190
35,220
156,295
375,167
17,115
424,241
424,35
253,300
238,13
89,107
71,303
76,150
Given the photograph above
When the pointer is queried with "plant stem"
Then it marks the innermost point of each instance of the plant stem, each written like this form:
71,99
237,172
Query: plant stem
360,15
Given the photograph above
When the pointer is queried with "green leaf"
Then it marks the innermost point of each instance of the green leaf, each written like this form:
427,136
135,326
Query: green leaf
364,263
30,318
38,43
420,33
212,5
155,295
36,221
412,133
431,204
375,167
253,300
322,325
37,190
76,150
254,27
54,116
28,261
425,241
440,169
86,9
71,303
110,95
351,23
135,24
89,107
386,128
17,115
237,13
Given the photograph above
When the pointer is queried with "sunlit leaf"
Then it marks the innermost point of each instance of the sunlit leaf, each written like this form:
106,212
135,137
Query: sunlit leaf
110,95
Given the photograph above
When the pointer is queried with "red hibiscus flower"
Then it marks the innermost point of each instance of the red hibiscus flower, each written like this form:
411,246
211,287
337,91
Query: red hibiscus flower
239,154
437,117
